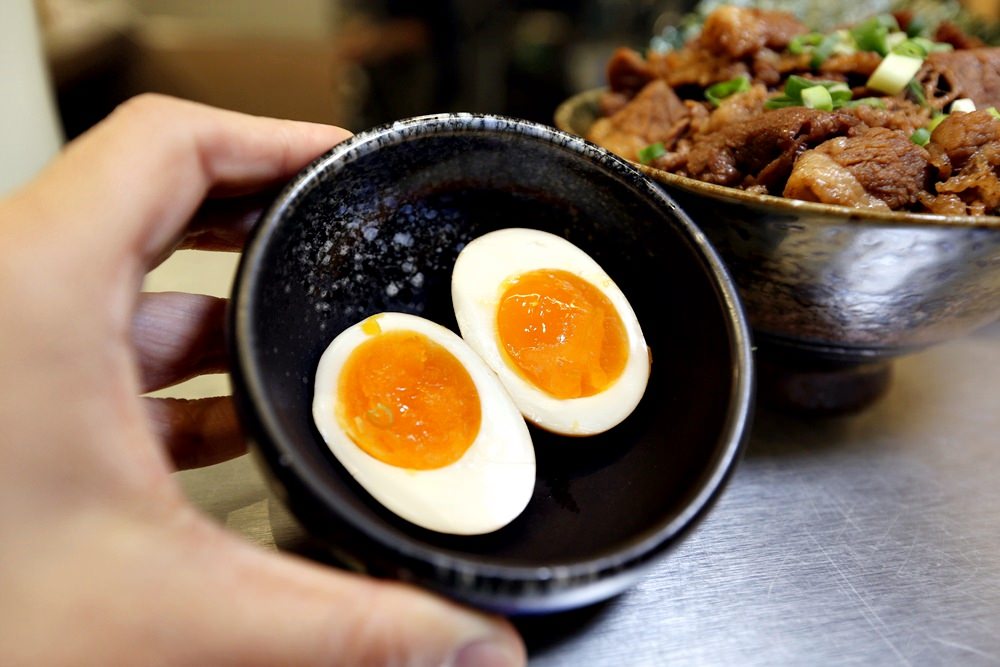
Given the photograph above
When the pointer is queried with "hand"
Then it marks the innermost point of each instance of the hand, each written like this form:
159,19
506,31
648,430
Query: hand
102,559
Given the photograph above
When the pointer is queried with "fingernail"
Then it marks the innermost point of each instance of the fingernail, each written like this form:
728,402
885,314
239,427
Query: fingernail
484,653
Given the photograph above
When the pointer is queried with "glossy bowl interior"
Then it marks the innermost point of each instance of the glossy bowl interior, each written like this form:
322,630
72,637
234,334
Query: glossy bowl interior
375,225
835,283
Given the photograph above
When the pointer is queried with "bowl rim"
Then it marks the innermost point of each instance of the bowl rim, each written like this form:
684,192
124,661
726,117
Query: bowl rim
843,214
247,377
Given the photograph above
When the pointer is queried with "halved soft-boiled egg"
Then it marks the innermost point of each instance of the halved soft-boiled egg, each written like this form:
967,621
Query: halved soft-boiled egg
553,325
417,418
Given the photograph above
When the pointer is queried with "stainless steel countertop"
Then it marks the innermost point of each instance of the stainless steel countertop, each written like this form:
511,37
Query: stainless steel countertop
871,539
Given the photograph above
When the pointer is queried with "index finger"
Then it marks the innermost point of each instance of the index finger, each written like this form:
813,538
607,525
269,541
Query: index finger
128,187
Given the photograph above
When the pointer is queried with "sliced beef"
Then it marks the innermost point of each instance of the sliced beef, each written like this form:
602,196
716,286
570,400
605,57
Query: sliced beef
861,63
885,163
943,204
770,64
898,114
695,66
762,149
818,177
972,73
655,115
735,109
938,158
611,102
628,72
768,67
738,32
960,135
977,184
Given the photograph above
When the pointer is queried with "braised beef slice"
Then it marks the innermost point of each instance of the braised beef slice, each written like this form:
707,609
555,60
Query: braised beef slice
818,177
771,67
886,163
895,114
739,32
860,63
977,184
943,204
628,72
938,159
611,102
655,115
695,66
972,73
762,150
960,135
735,109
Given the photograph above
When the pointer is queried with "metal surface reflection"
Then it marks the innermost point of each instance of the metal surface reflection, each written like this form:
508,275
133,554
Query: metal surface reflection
850,289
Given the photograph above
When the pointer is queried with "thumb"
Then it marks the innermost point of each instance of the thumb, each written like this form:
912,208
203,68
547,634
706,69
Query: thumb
262,608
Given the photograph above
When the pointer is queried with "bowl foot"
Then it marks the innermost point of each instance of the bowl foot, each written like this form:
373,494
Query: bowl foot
820,387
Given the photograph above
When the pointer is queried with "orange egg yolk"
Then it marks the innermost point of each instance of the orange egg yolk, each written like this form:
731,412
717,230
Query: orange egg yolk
561,333
408,401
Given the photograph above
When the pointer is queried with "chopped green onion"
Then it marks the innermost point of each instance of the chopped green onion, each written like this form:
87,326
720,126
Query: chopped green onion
916,27
840,93
894,39
799,43
719,91
822,46
921,136
872,34
964,104
916,92
919,47
824,50
931,47
817,97
875,102
781,102
910,47
936,120
795,84
651,152
834,94
993,112
894,73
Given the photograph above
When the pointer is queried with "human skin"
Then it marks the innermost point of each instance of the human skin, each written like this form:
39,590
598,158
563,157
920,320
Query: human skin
103,560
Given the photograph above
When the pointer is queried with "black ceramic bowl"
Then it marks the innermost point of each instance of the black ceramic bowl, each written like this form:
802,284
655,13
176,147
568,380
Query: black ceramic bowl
375,225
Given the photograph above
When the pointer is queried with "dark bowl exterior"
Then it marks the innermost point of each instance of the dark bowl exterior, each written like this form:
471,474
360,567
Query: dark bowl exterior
375,225
834,282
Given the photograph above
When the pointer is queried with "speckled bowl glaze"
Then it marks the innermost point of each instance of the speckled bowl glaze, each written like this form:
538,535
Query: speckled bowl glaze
376,224
833,288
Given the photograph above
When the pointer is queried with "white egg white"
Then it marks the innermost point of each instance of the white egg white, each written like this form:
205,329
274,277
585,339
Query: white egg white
481,492
478,281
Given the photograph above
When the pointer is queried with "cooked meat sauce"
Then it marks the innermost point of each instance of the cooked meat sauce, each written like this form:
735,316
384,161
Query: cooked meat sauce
877,116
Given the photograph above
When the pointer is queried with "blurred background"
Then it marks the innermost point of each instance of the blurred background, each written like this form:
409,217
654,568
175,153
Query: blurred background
347,62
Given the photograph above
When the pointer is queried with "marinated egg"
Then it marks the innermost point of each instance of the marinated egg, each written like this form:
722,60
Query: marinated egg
419,420
555,328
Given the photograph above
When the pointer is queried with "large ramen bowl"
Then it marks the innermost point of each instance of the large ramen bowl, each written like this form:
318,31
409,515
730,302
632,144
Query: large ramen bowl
833,293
